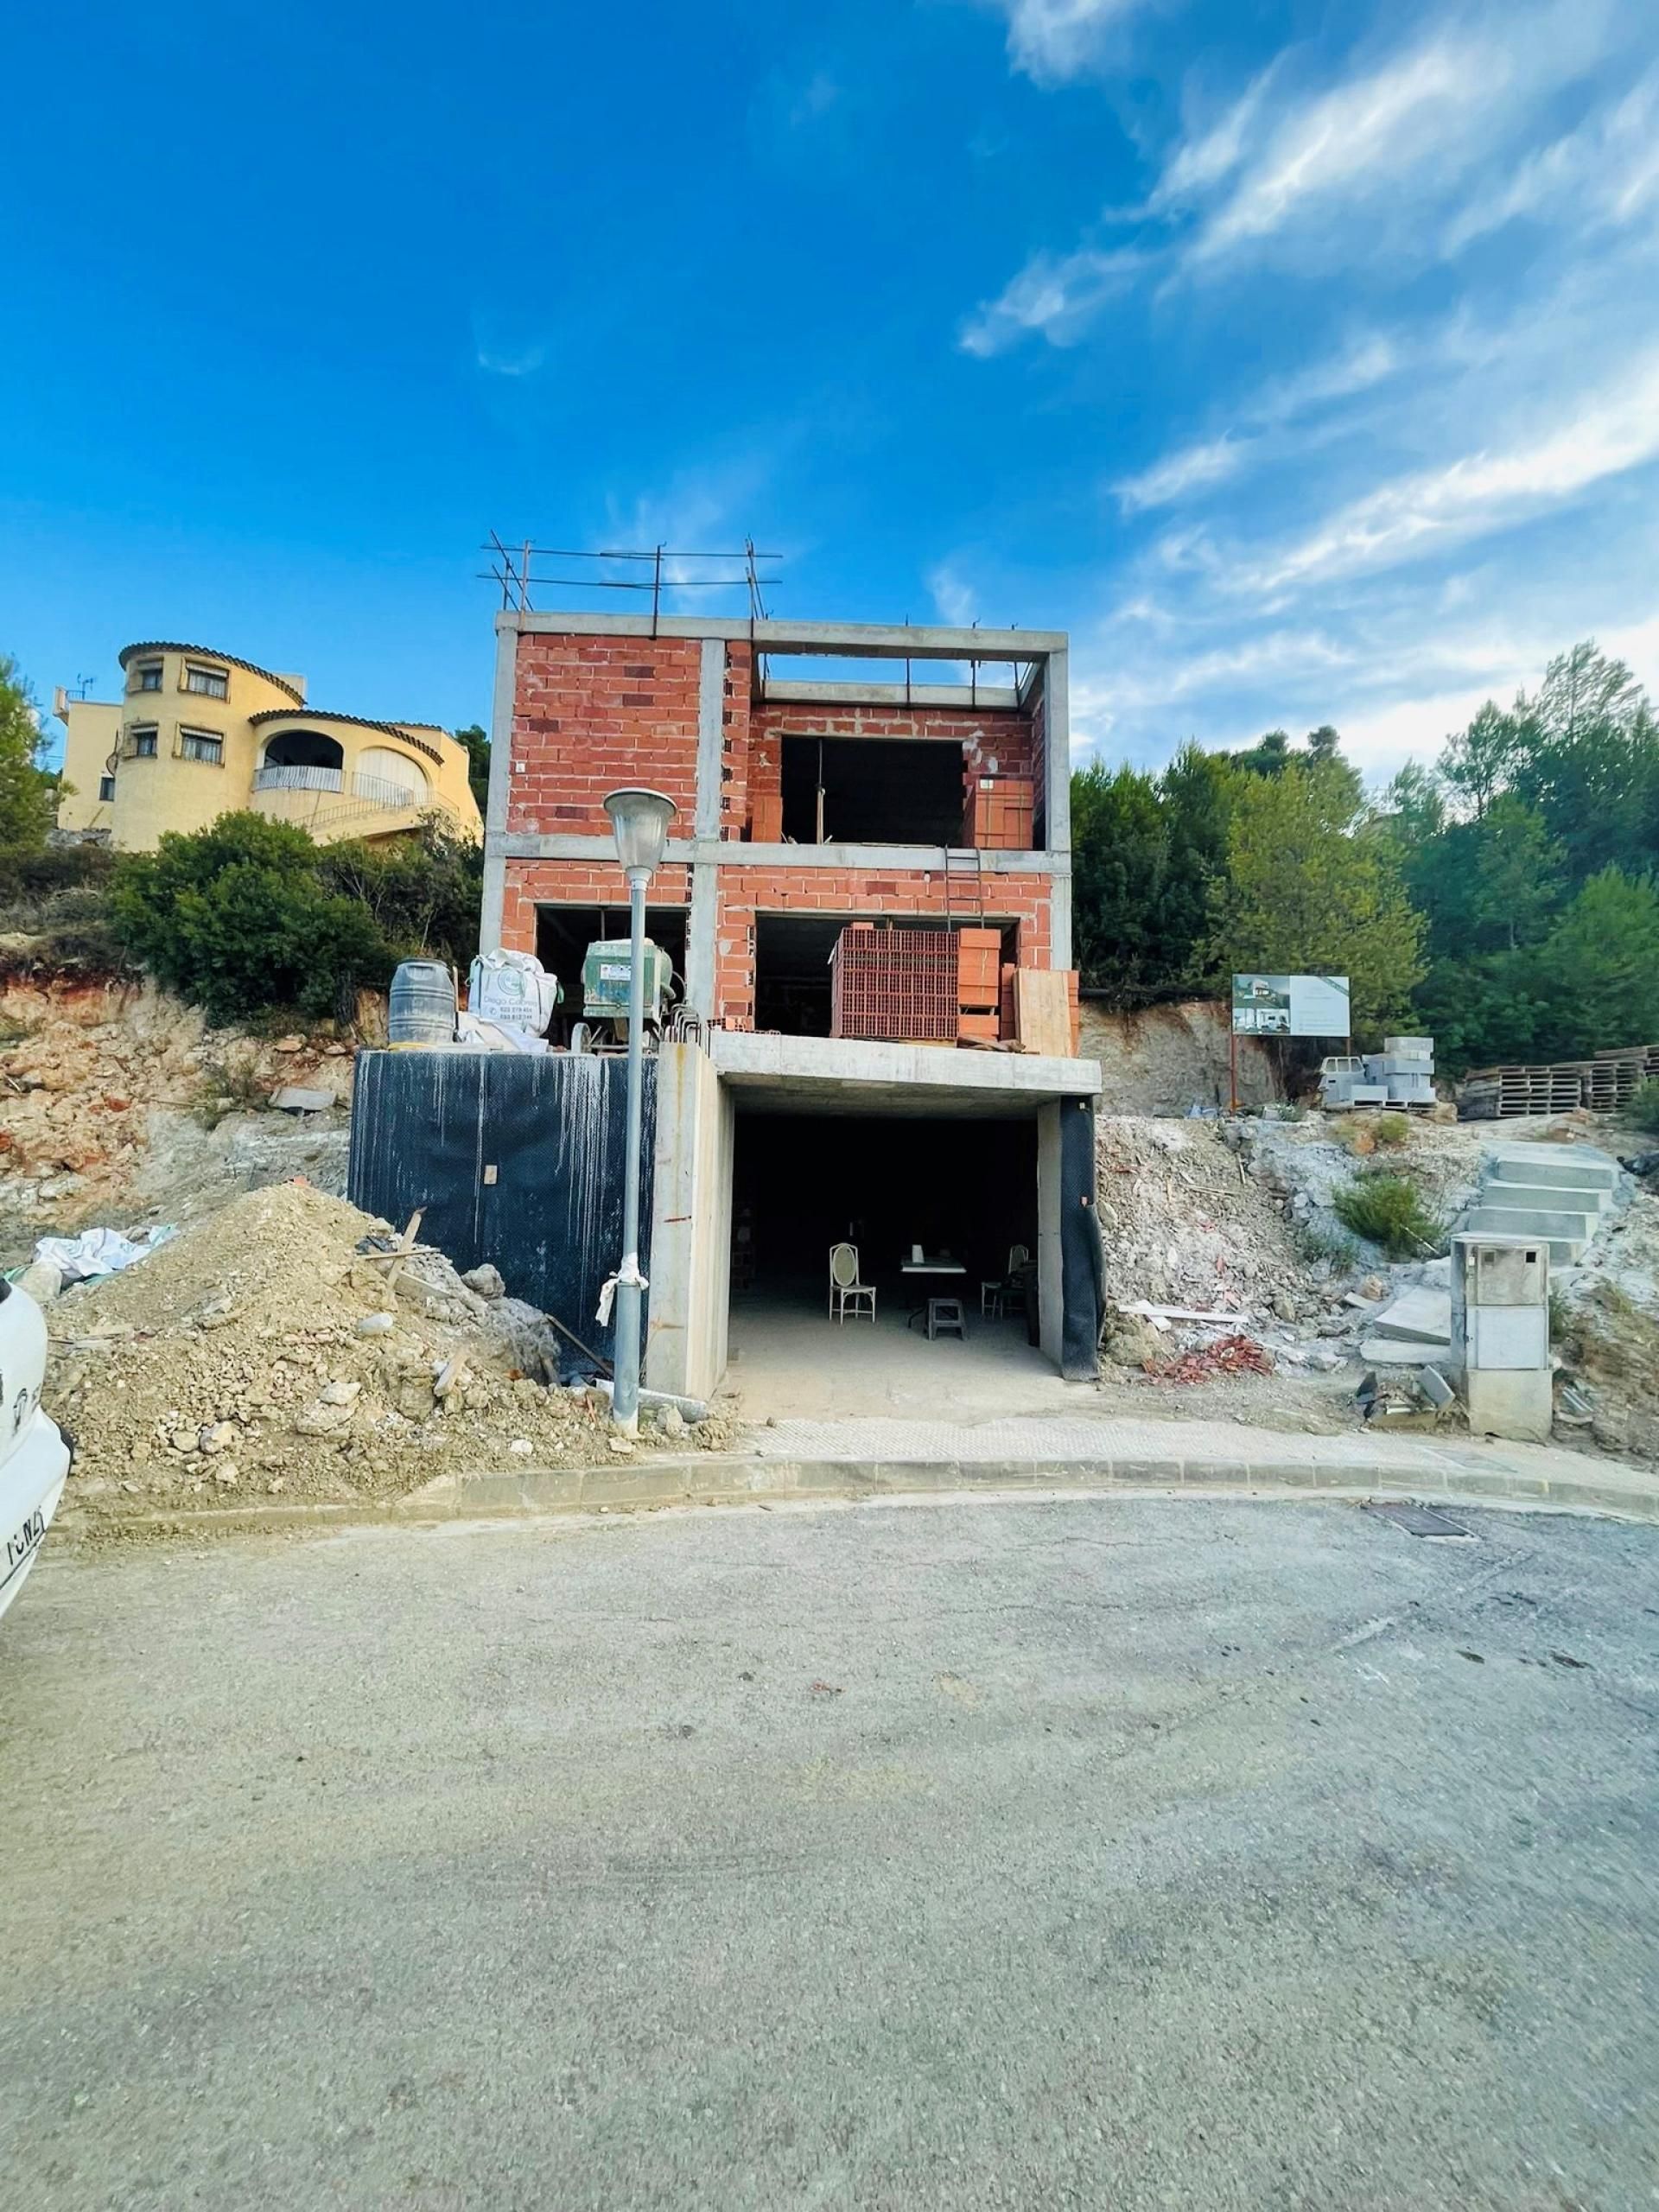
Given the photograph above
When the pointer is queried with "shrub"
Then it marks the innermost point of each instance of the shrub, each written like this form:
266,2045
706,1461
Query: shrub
1289,1110
237,919
1317,1246
1644,1106
1391,1130
1387,1208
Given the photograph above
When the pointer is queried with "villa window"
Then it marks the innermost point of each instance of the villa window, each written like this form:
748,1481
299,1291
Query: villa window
146,676
211,683
141,745
202,745
105,787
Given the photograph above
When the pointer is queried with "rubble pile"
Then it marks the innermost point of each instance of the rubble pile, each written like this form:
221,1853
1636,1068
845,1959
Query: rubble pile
116,1096
264,1351
1184,1223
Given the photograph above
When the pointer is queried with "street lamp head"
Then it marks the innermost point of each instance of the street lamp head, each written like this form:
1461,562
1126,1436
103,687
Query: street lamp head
640,820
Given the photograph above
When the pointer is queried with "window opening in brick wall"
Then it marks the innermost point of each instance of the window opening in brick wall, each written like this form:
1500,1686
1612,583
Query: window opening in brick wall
875,790
564,933
792,982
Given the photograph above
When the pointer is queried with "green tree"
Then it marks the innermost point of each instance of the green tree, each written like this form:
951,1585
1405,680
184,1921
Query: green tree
1599,968
1477,763
1517,873
422,893
1589,762
1306,895
237,919
1120,849
477,742
28,793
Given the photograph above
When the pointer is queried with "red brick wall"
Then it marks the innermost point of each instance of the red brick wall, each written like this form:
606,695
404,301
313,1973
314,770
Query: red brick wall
736,751
575,883
592,713
1039,763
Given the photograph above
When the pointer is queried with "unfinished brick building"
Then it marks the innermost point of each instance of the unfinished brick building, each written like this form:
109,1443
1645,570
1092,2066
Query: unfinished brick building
812,794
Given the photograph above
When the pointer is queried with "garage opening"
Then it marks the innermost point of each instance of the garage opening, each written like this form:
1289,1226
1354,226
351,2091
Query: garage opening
792,964
564,933
869,791
963,1192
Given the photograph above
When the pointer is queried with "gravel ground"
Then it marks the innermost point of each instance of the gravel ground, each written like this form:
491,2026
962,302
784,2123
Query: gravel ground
1058,1854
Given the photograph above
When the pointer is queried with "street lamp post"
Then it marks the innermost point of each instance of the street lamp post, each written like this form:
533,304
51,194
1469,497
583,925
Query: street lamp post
640,820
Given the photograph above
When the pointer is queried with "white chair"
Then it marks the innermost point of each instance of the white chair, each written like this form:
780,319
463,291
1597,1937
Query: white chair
844,1285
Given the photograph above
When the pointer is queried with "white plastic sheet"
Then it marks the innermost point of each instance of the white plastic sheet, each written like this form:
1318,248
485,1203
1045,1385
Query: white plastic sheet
99,1251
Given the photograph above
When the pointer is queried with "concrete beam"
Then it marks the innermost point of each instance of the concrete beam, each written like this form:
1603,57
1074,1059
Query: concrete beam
882,860
844,1075
855,640
989,698
702,941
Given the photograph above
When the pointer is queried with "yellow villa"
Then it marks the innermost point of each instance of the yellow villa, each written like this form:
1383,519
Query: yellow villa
199,734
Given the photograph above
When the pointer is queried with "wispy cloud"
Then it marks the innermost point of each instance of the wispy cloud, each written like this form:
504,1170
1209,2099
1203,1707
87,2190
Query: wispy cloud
1054,39
955,599
1192,468
1605,172
1598,435
1058,298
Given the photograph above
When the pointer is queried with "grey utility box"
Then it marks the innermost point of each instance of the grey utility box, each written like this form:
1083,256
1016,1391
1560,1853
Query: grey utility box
1500,1334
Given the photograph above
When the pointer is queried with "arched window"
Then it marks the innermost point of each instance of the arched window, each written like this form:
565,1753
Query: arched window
390,778
301,761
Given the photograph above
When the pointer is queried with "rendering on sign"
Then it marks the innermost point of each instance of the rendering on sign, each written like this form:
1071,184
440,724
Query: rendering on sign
1291,1005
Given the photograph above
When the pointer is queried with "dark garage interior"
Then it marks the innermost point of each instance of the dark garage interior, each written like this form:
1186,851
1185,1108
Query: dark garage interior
803,1182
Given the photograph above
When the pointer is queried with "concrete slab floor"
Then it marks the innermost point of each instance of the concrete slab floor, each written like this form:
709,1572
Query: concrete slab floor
790,1361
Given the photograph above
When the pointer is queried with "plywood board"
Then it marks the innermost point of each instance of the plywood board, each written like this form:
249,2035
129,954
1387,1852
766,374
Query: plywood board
1042,1013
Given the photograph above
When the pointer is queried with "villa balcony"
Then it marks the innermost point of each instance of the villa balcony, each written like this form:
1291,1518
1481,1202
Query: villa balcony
335,803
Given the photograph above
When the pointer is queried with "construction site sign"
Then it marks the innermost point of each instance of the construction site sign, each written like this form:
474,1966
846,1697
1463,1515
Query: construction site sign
1291,1005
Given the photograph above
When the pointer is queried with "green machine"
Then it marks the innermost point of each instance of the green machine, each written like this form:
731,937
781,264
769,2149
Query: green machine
605,992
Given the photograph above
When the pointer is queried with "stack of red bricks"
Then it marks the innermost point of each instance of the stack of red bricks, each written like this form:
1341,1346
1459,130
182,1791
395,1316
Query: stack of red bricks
1002,814
978,985
895,986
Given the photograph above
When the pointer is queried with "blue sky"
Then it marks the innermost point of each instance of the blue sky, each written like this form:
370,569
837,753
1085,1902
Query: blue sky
1302,361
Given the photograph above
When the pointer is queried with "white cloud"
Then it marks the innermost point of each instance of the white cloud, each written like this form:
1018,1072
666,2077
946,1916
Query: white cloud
1191,469
1053,39
1605,172
1601,434
954,600
1055,298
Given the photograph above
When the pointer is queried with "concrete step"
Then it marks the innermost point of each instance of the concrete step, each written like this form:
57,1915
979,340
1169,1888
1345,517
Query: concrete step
1417,1317
1546,1198
1568,1243
1576,1167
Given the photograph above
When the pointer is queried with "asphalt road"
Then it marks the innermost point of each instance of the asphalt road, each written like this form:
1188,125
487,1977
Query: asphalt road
1105,1854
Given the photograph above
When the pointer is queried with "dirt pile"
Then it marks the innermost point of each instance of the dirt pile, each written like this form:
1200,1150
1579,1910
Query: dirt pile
261,1352
117,1103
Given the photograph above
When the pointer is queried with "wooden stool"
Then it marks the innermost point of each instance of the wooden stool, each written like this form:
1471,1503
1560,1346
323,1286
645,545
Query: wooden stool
944,1313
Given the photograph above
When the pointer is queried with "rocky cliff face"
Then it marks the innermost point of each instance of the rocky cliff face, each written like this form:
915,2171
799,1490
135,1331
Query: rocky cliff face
118,1105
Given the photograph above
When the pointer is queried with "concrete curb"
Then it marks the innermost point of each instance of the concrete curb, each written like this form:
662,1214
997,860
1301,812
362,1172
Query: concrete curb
1438,1475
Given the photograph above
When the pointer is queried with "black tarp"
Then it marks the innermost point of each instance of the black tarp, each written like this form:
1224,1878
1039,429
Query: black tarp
1081,1267
427,1128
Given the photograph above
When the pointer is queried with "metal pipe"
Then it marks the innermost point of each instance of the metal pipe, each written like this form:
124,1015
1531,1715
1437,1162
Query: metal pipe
625,1401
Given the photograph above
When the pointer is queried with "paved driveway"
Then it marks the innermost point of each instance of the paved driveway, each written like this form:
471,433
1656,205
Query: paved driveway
1106,1854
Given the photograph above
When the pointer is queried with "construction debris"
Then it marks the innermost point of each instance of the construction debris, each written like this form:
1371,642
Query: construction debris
1233,1354
264,1339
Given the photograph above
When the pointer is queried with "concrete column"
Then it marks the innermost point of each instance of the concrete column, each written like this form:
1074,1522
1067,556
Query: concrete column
711,736
691,1226
1051,1274
1057,765
495,811
702,933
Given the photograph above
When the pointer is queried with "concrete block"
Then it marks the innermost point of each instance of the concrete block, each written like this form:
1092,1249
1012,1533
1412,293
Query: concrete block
1513,1402
1394,1351
1422,1316
1435,1388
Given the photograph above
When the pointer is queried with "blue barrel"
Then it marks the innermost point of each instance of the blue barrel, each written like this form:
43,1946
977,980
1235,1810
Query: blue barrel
422,1009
